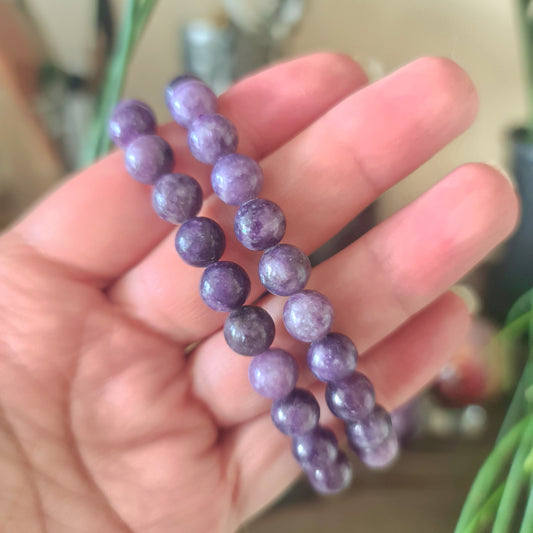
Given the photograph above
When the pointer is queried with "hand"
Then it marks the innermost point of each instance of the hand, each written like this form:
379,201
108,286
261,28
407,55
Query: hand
109,422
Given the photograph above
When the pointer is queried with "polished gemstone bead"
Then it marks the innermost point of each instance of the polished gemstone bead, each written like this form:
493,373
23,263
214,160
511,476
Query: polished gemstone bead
130,119
212,137
315,449
148,158
178,80
334,477
249,330
176,198
236,178
295,414
332,357
381,456
187,98
308,315
370,431
259,224
284,269
351,398
273,373
200,241
224,286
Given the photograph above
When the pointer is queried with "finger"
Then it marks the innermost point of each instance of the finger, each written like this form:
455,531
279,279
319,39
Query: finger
322,178
102,223
381,280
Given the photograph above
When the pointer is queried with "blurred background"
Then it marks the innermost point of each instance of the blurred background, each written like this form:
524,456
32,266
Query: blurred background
54,56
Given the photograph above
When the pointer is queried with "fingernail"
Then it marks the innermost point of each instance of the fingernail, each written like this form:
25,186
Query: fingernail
469,296
503,171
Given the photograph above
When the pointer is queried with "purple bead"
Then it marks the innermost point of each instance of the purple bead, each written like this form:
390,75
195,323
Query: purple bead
284,269
224,286
371,430
236,178
130,119
259,224
351,398
273,373
148,158
249,330
381,456
187,98
308,315
332,358
171,86
315,449
295,414
176,198
332,478
212,137
200,241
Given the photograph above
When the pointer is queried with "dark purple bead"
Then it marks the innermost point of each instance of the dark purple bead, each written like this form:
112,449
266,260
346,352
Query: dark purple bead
351,398
308,315
315,449
148,158
200,241
295,414
188,98
273,373
284,269
259,224
332,357
236,178
224,286
249,330
176,198
332,478
130,119
381,456
212,137
371,430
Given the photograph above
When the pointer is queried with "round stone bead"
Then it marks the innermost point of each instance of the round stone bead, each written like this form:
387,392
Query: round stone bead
249,330
315,449
370,431
212,137
381,456
259,224
130,119
332,357
273,373
284,269
187,98
178,80
351,398
236,178
308,315
148,158
295,414
200,241
224,286
176,198
332,478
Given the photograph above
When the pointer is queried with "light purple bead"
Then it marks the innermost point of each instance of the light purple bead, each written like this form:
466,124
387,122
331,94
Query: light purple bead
212,137
332,478
188,98
381,456
236,178
130,119
351,398
371,430
200,241
308,315
224,286
284,269
249,330
315,449
332,357
273,373
295,414
259,224
176,198
178,80
148,158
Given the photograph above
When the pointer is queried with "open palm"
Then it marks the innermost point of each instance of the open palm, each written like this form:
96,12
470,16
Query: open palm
114,417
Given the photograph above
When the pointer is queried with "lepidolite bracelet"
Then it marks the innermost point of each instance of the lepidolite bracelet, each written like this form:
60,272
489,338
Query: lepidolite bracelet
284,270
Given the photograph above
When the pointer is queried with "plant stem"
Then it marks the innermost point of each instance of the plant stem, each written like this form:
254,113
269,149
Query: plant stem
527,521
487,512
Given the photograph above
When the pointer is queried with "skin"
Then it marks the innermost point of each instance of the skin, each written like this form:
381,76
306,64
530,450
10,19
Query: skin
109,420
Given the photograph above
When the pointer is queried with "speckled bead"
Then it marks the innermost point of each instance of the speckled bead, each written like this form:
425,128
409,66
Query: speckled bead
295,414
332,357
351,398
176,198
370,431
148,158
332,478
381,456
187,98
315,449
130,119
212,137
273,373
249,330
200,241
224,286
